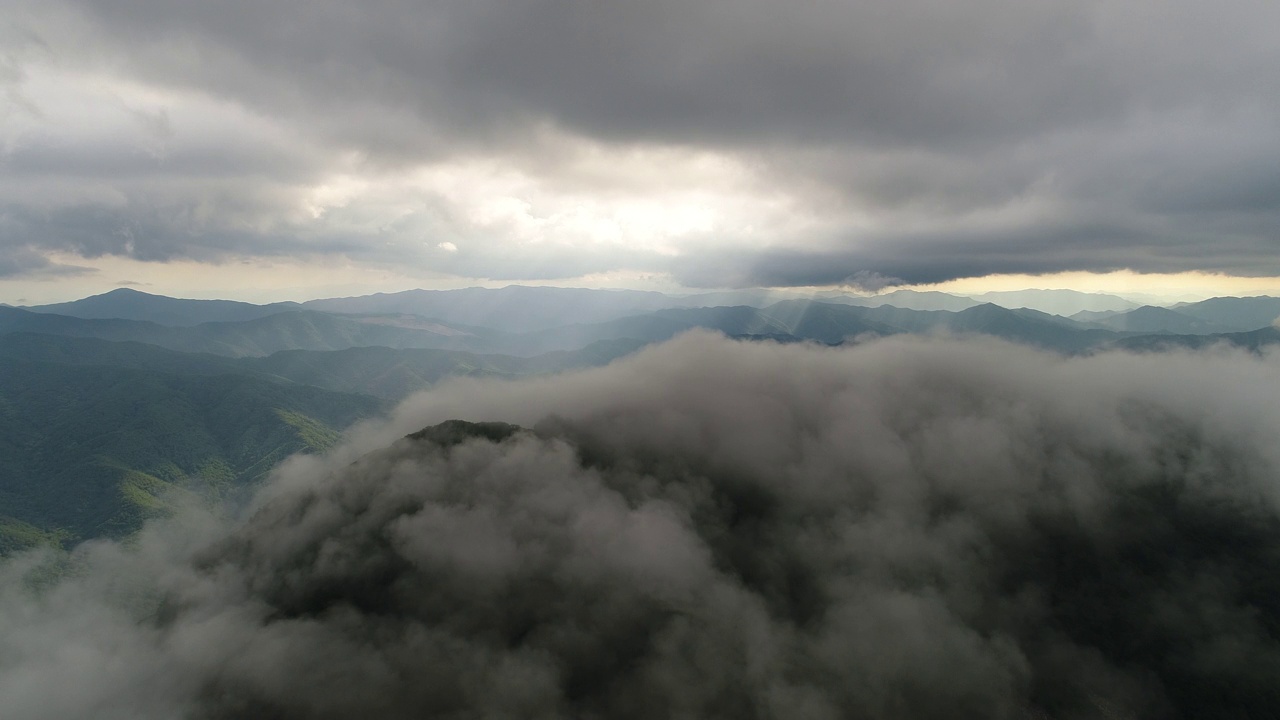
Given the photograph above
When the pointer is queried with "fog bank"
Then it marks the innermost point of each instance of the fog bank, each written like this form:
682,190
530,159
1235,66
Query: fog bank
909,528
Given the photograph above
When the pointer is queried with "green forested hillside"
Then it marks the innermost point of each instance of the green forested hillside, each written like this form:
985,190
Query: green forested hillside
91,450
73,350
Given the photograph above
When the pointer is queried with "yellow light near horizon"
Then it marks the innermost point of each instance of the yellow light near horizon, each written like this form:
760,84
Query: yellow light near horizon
273,280
1172,287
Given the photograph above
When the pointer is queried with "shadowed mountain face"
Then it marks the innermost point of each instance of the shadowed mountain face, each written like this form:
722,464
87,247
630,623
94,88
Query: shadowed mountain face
917,529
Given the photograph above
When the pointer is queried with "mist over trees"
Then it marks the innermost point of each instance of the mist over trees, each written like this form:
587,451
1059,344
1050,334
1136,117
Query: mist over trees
907,528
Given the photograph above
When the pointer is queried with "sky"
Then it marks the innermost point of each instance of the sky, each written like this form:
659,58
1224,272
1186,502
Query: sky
286,150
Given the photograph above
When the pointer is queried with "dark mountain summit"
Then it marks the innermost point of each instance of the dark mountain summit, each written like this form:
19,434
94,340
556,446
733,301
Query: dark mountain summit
127,304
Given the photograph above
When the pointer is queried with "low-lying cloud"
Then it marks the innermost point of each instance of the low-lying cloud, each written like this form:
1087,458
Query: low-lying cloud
909,528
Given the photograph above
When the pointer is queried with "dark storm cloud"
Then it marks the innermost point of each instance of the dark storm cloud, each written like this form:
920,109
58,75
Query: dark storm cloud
21,261
915,72
150,232
1149,127
911,528
1063,244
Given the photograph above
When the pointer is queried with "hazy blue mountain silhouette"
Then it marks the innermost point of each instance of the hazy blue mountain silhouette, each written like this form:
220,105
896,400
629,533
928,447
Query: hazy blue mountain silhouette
1151,319
1239,313
128,304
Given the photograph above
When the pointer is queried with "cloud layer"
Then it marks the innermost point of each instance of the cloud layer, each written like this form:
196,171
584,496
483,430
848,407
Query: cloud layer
794,145
911,528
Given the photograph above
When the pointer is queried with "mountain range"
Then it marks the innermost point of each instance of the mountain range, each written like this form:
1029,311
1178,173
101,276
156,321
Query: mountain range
387,320
522,309
115,406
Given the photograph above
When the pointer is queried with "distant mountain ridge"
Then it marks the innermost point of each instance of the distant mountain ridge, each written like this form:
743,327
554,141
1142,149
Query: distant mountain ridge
1213,316
511,309
1253,341
827,322
1240,313
129,304
1151,319
519,309
1057,302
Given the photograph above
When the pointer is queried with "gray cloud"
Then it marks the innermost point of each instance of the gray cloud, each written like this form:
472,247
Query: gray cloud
21,261
1145,134
910,528
923,71
1079,243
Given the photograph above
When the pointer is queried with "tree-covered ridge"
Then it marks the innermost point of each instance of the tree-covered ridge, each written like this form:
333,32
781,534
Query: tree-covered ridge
90,451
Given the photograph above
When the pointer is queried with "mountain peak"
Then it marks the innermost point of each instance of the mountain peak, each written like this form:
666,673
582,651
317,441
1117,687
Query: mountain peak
124,291
989,309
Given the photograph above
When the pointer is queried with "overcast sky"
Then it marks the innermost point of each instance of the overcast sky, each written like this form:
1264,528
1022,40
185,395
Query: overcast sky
312,147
